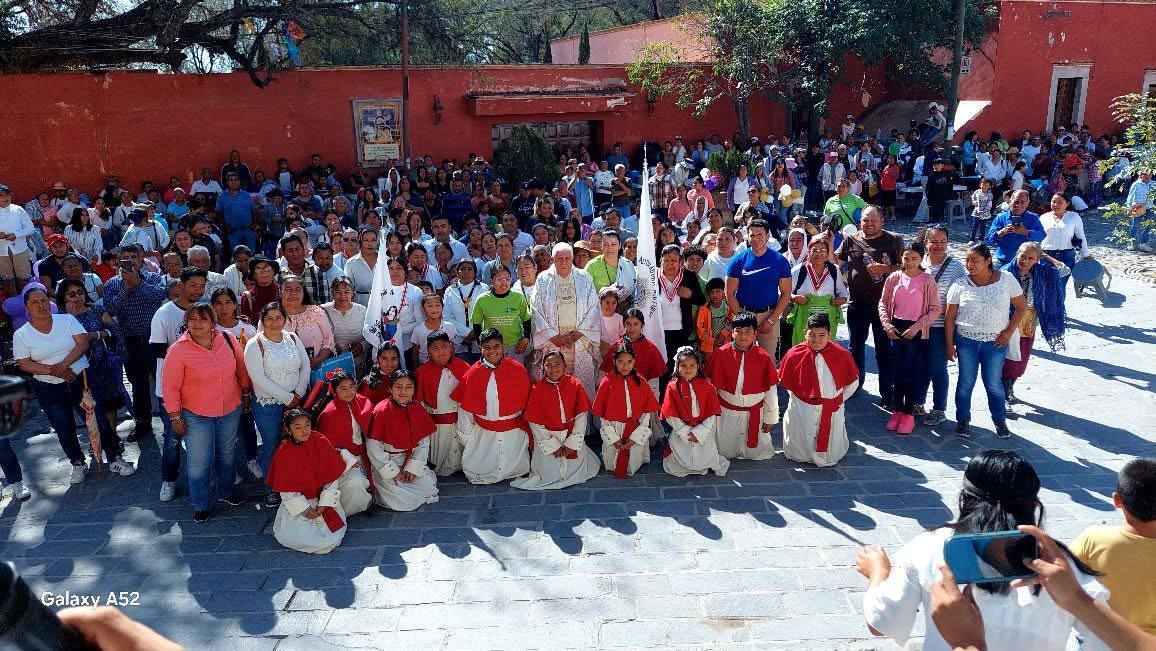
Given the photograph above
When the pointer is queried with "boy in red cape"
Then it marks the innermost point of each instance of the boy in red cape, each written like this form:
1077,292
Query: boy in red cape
557,413
305,470
820,374
436,381
624,402
398,448
745,376
691,408
495,440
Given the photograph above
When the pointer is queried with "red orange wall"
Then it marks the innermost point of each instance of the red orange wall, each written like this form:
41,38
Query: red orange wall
80,127
1115,37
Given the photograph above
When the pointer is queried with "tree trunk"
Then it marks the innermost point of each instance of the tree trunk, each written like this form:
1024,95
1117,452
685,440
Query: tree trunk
742,107
812,126
655,9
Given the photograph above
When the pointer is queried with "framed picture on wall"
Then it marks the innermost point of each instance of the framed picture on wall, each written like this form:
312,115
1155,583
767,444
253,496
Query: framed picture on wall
377,130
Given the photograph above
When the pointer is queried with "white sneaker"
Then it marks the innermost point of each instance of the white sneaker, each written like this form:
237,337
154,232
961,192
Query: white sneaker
168,491
122,467
77,474
20,493
255,469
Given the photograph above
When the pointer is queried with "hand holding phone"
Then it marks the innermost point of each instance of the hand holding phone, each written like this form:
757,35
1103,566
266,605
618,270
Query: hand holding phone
998,557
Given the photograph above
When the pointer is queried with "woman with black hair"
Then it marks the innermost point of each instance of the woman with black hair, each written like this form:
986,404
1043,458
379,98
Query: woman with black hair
305,473
1000,492
84,236
625,403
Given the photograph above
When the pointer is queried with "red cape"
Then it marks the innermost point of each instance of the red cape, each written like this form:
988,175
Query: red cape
759,374
610,399
377,395
545,398
797,370
307,468
649,361
402,428
676,402
429,378
513,382
335,422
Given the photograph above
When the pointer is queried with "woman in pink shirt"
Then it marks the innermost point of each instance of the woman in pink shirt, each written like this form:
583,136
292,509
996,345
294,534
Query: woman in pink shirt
909,305
204,384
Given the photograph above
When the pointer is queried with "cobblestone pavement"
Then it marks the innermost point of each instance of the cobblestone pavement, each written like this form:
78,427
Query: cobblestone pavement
760,558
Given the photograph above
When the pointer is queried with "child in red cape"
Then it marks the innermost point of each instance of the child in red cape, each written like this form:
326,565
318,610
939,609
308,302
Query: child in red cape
819,374
624,402
436,381
305,471
398,448
691,408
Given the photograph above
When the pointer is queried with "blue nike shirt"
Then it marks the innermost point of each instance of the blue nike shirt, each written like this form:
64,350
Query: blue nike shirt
759,276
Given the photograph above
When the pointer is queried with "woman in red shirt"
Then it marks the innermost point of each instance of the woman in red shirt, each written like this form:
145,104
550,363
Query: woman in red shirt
888,178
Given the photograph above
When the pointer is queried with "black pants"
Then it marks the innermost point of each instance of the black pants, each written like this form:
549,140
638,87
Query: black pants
910,359
140,367
675,339
863,316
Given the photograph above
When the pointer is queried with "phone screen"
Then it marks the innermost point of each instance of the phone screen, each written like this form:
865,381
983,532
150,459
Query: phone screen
990,558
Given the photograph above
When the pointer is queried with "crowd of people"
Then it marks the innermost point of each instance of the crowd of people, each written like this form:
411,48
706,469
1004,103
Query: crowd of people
351,342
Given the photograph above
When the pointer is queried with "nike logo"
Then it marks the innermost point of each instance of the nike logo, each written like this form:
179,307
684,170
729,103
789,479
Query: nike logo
751,272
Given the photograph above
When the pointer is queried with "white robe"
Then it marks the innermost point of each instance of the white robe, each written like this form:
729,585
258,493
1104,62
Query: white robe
390,493
688,458
544,312
347,495
801,423
548,471
611,431
732,427
445,453
489,457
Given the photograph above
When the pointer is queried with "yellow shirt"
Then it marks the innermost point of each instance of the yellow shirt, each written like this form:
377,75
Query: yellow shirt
1128,562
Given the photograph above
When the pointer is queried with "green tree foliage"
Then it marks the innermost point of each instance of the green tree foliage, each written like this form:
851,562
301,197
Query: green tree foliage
794,51
727,163
584,45
744,56
526,155
1136,153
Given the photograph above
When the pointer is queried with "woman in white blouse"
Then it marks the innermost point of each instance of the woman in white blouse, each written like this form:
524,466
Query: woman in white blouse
978,329
1064,233
348,319
279,368
84,236
1000,491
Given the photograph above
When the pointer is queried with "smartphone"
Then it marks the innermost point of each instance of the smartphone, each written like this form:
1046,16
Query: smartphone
990,557
126,265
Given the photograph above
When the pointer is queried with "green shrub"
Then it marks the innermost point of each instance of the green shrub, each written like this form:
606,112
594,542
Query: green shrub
526,155
727,163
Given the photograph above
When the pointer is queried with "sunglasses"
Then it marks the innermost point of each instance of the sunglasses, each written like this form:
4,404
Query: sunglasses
74,294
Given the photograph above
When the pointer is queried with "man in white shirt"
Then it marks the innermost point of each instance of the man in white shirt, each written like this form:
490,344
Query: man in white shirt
521,239
199,257
15,227
440,226
679,150
206,184
1028,153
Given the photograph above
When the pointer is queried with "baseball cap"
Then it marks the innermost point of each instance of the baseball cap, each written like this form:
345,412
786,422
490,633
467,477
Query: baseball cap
4,188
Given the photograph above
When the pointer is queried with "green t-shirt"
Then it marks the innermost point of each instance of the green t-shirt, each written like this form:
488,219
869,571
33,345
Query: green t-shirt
603,274
846,209
505,313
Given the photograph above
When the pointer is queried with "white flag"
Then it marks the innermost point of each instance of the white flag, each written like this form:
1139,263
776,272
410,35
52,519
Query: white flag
647,268
390,313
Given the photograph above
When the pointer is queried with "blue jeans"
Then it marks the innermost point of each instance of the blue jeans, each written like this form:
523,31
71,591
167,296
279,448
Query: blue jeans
936,376
978,358
240,236
170,450
60,403
268,421
1068,257
1138,230
9,463
979,228
210,444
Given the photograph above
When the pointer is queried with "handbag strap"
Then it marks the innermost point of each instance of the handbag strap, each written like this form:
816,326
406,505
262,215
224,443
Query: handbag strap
942,268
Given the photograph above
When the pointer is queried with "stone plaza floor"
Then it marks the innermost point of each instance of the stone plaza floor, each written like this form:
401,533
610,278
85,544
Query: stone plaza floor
761,558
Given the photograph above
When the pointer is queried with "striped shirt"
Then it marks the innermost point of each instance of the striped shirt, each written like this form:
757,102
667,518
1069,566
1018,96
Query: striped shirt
954,271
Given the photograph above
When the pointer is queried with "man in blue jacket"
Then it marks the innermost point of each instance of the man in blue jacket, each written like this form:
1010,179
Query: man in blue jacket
456,205
1014,227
